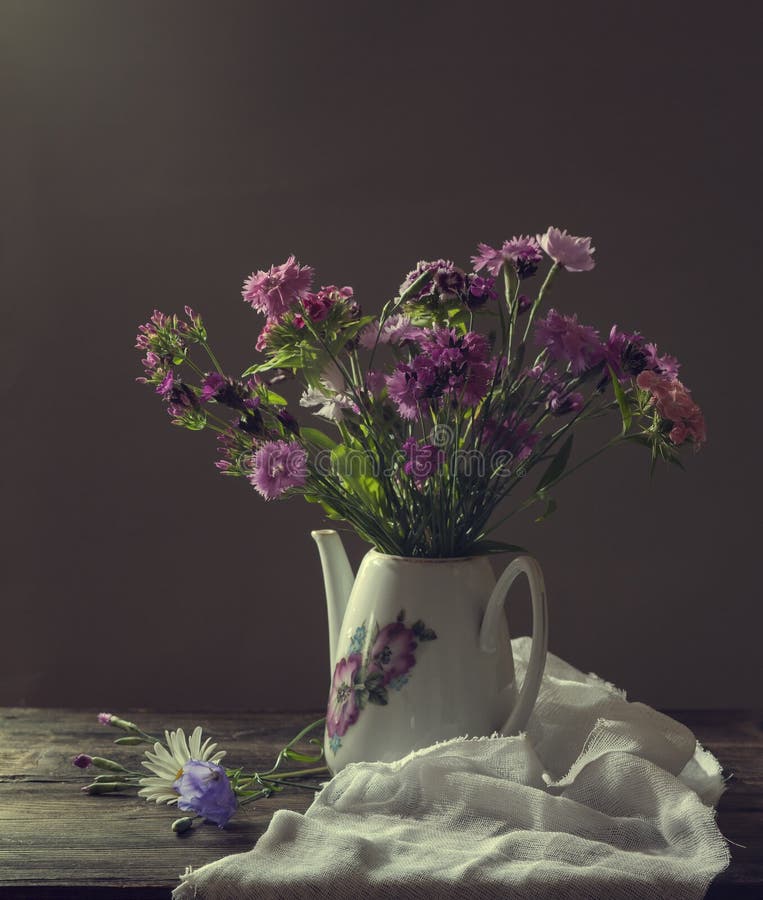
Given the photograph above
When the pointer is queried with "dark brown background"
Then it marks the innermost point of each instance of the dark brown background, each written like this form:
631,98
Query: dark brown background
154,153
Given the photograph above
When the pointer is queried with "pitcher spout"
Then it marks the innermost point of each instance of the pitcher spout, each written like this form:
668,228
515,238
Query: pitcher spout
338,580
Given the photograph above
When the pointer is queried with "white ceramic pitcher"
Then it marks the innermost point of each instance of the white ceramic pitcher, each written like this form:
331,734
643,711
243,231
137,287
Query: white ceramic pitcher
420,652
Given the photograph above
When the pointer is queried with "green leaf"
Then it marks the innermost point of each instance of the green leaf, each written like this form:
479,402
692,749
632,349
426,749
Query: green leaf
550,508
317,438
556,467
422,632
497,547
622,401
377,693
272,397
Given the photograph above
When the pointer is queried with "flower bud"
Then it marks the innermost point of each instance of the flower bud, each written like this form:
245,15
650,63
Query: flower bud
130,741
82,761
104,787
180,826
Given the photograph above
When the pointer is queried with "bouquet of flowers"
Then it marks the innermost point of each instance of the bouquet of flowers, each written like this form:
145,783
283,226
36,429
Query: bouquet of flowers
430,415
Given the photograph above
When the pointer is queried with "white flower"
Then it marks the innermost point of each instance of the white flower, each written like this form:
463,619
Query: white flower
330,395
167,763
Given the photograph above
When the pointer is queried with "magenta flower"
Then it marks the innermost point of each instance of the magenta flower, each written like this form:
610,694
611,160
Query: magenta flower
278,466
82,761
674,404
568,341
575,254
317,306
560,403
205,790
514,436
166,385
392,653
422,461
343,710
665,365
274,292
105,718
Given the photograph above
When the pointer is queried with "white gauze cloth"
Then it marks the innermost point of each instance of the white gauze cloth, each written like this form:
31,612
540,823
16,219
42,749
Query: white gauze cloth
600,798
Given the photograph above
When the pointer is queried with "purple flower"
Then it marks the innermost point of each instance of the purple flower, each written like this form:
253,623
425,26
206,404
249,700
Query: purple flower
422,461
165,386
513,435
412,386
522,253
278,466
205,790
447,365
392,652
343,710
445,282
105,718
523,303
212,386
575,254
274,292
568,341
560,403
480,291
664,365
82,760
288,421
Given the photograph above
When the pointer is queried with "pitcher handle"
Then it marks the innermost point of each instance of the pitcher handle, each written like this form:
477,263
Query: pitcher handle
495,609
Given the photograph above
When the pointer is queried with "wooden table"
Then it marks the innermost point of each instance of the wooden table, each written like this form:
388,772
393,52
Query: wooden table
56,842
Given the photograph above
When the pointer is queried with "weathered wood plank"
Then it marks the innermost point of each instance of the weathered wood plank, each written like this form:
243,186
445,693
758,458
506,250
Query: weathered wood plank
56,842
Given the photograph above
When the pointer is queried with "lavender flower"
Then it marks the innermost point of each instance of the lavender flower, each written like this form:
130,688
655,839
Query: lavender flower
278,466
205,790
274,292
568,341
575,254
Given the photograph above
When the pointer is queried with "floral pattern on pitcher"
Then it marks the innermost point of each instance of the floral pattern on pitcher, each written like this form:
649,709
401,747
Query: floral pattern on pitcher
374,665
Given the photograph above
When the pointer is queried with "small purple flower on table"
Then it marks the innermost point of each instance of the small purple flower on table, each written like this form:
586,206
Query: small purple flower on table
205,790
392,654
82,761
575,254
278,466
105,718
275,292
343,709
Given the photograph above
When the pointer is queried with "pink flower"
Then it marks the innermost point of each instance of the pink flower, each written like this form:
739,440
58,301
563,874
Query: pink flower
523,253
278,466
673,402
574,253
274,292
262,340
568,341
392,652
343,710
395,331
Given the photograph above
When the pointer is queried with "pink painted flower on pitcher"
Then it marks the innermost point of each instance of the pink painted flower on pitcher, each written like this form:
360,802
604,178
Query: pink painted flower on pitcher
392,652
343,709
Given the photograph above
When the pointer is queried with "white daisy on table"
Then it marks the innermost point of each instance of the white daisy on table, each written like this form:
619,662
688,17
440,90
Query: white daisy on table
167,763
